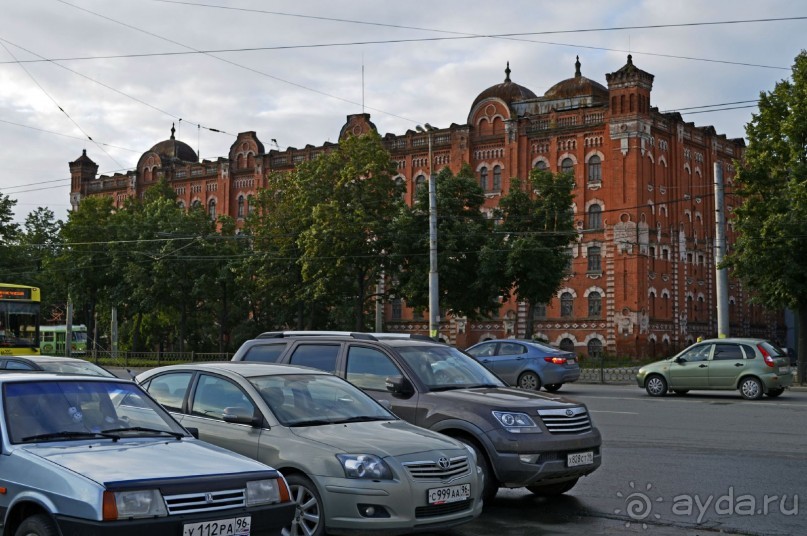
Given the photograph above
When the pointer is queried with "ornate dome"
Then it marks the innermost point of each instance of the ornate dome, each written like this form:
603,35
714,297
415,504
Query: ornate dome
508,91
578,86
171,149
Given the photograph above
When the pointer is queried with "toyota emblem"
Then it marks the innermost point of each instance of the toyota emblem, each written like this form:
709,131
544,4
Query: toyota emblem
569,413
444,462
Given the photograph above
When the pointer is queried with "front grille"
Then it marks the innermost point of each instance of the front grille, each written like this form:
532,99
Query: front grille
431,470
434,510
566,420
211,501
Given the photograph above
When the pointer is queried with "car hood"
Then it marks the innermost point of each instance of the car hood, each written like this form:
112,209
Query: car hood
382,438
144,459
503,398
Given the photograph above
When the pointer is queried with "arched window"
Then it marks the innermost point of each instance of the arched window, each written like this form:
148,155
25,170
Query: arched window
196,204
249,204
594,260
566,344
211,209
594,305
240,207
540,165
566,304
497,179
539,313
594,169
396,308
595,348
595,217
483,178
420,182
400,185
181,205
567,165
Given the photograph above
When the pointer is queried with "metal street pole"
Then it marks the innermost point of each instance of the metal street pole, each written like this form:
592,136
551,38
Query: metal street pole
721,274
434,300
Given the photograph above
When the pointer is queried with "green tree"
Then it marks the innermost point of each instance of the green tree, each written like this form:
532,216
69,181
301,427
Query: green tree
537,224
468,260
9,235
40,244
353,201
771,223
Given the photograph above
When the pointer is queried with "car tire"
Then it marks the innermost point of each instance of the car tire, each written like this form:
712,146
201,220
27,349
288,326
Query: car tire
548,490
680,392
656,385
529,380
553,387
309,518
773,393
37,525
491,486
751,388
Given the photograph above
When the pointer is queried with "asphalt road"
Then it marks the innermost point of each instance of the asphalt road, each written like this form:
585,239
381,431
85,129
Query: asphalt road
701,464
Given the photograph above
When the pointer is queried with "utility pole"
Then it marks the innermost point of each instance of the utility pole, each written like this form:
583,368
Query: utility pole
434,300
722,276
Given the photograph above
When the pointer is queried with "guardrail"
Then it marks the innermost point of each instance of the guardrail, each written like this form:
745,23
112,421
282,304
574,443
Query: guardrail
152,359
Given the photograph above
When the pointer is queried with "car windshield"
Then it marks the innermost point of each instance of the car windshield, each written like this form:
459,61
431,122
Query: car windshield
70,409
74,367
442,368
317,399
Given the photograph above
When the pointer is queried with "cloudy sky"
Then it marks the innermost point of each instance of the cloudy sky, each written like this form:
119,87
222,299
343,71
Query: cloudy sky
112,76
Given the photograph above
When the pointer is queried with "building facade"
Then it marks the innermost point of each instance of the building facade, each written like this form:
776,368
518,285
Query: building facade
641,280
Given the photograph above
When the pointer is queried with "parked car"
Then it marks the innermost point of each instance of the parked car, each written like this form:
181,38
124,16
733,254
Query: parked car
522,438
527,364
46,363
350,463
96,455
753,366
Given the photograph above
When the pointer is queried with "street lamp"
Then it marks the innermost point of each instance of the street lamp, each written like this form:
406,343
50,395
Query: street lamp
434,300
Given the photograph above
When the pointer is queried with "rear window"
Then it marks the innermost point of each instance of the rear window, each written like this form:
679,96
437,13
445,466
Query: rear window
267,353
772,350
319,356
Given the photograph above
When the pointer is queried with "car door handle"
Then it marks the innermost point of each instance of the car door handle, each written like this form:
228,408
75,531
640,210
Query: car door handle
485,360
701,366
738,364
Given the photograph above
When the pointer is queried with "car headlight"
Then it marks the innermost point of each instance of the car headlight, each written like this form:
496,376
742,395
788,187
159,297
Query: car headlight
365,466
264,491
470,449
133,504
516,423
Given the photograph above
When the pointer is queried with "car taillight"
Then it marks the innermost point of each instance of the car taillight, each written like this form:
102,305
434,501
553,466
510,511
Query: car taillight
766,356
556,360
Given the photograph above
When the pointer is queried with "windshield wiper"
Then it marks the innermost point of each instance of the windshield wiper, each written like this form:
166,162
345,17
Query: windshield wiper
312,422
72,435
177,435
362,418
447,387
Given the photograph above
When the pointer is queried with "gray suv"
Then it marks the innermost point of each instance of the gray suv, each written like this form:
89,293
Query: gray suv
522,438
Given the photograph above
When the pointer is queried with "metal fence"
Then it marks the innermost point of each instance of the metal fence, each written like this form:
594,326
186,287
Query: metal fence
151,359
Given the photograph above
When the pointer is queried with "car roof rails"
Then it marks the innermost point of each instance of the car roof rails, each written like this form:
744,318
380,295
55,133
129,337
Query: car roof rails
286,334
412,336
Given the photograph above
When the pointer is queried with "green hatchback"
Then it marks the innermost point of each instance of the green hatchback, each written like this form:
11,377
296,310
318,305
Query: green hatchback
752,366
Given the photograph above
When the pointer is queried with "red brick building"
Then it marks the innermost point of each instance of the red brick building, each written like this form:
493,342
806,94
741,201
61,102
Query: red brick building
642,278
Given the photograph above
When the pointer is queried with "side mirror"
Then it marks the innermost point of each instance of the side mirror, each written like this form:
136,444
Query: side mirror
192,430
399,386
680,360
239,415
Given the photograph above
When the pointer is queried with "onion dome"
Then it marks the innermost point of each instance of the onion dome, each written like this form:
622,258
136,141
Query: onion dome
578,86
508,91
172,149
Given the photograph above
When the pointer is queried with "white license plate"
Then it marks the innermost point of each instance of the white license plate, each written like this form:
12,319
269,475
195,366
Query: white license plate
570,361
235,526
449,494
784,370
580,458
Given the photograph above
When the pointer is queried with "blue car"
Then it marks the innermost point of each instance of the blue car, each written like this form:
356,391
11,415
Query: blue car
527,364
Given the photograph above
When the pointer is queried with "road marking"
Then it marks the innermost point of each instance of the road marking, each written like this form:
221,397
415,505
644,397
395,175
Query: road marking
620,412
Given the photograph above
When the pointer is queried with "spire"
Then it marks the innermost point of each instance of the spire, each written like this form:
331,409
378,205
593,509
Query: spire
172,131
507,73
577,68
630,59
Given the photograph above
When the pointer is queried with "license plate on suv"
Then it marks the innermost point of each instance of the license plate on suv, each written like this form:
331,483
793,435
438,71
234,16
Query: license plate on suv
449,494
580,458
236,526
